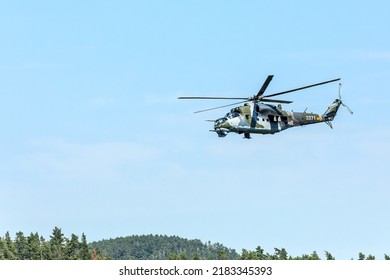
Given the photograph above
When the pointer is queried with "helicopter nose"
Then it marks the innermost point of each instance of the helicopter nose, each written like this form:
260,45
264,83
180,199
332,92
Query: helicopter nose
219,123
220,127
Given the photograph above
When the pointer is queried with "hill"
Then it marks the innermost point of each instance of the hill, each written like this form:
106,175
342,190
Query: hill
161,247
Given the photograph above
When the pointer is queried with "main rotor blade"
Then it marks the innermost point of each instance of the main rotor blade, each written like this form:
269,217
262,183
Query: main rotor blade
207,97
275,101
265,85
219,107
296,89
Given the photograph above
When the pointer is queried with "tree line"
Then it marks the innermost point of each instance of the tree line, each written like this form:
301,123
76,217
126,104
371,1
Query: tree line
137,247
281,254
58,247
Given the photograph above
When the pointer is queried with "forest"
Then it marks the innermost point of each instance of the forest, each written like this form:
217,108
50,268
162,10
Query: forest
137,247
162,247
58,247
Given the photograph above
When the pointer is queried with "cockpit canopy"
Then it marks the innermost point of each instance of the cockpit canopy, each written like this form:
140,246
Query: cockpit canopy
220,121
232,114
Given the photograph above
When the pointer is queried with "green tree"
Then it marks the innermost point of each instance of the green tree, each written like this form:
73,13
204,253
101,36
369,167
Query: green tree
303,257
72,248
9,248
370,257
196,256
361,256
183,256
222,255
280,254
85,251
329,256
248,255
387,257
34,247
44,249
314,256
173,256
21,245
260,255
57,244
2,249
180,256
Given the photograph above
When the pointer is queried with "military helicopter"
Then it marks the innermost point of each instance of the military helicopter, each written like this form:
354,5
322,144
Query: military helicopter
255,116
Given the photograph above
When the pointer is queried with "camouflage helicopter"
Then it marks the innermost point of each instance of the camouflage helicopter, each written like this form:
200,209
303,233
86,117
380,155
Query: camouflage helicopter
255,116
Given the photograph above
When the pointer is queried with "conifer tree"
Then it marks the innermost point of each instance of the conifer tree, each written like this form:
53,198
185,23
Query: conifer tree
248,255
260,253
44,250
280,254
57,244
34,247
9,248
2,249
329,256
85,251
314,256
222,255
72,248
21,245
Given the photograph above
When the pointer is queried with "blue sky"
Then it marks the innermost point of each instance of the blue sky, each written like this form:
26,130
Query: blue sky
94,139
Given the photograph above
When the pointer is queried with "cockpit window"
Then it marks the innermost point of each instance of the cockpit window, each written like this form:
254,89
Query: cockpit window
231,115
220,121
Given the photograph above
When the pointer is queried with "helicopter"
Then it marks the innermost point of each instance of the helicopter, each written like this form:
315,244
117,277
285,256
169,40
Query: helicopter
257,117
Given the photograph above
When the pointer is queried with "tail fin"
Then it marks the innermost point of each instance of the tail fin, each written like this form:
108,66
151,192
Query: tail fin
331,112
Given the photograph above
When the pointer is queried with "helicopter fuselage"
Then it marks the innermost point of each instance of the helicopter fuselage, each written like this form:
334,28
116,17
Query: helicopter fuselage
260,118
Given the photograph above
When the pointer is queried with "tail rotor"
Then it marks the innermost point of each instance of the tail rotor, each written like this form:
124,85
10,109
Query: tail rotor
342,102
